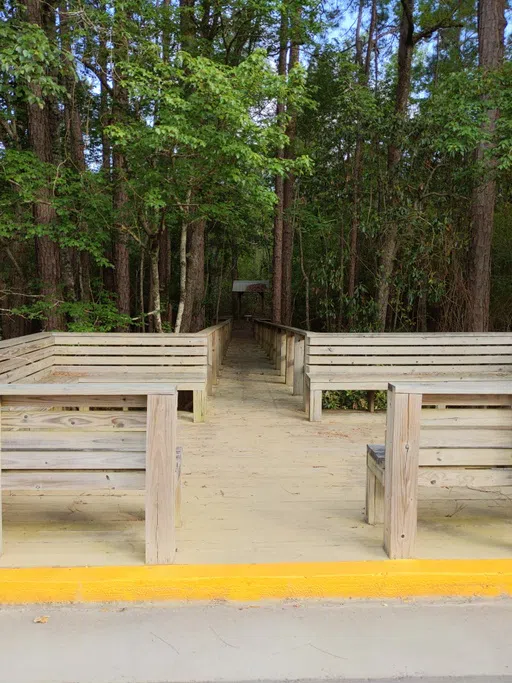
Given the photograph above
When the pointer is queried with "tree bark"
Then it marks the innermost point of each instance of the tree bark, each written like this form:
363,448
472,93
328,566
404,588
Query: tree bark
403,87
193,312
40,139
277,258
491,31
289,185
119,176
183,274
154,250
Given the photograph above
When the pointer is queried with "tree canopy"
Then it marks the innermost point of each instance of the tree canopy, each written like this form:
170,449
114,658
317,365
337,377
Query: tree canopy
357,154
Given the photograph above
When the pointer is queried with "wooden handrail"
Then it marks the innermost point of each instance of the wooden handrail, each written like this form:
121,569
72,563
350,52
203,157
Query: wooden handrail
285,346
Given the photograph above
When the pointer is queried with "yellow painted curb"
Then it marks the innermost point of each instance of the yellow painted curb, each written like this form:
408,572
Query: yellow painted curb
382,579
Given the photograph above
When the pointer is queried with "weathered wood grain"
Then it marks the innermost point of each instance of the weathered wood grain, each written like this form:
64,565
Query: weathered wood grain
160,474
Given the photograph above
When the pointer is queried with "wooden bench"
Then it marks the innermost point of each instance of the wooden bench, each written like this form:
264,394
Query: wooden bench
190,361
97,436
370,361
463,446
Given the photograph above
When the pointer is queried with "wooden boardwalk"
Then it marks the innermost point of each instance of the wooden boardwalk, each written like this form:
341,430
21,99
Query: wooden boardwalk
261,484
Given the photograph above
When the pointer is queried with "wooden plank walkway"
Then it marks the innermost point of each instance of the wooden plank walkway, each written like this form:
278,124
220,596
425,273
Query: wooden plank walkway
261,484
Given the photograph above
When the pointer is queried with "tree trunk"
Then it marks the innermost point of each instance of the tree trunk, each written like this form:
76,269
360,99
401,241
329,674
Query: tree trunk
40,138
193,311
403,87
119,171
358,154
164,269
277,257
154,250
491,30
183,274
289,186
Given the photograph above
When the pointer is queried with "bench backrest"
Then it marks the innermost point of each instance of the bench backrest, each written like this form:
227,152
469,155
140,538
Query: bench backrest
479,437
429,354
27,358
144,356
89,441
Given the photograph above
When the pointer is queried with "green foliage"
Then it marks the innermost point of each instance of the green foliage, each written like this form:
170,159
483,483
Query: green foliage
352,400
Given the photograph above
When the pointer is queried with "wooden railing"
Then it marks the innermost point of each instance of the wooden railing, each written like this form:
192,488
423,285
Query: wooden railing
81,436
218,337
285,346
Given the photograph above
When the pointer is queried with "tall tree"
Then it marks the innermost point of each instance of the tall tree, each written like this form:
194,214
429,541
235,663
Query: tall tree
491,33
277,259
289,181
40,132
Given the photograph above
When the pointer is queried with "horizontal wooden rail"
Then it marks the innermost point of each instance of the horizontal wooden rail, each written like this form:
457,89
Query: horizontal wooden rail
285,346
47,444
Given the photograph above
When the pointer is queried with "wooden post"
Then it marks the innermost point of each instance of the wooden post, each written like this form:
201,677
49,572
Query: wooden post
290,352
215,357
371,401
315,405
160,478
210,367
281,353
298,366
199,405
401,473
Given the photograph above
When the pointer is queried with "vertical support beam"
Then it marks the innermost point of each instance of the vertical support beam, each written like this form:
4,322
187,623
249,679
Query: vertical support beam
160,478
215,356
401,473
371,401
199,405
281,353
290,353
298,365
374,511
210,372
315,405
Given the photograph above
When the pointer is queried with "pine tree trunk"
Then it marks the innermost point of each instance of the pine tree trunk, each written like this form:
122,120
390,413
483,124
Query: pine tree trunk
289,186
277,257
40,138
119,171
491,29
389,249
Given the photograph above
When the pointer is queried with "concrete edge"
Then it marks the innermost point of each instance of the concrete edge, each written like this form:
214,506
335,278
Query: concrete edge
370,579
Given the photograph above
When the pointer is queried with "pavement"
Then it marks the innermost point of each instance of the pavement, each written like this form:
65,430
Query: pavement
356,641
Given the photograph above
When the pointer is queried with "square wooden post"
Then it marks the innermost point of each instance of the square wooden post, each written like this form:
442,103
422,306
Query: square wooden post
298,366
162,418
290,353
281,353
210,368
401,473
216,347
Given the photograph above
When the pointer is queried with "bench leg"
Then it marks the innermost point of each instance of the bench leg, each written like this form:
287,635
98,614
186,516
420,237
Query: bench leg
315,405
199,399
374,499
160,479
371,401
